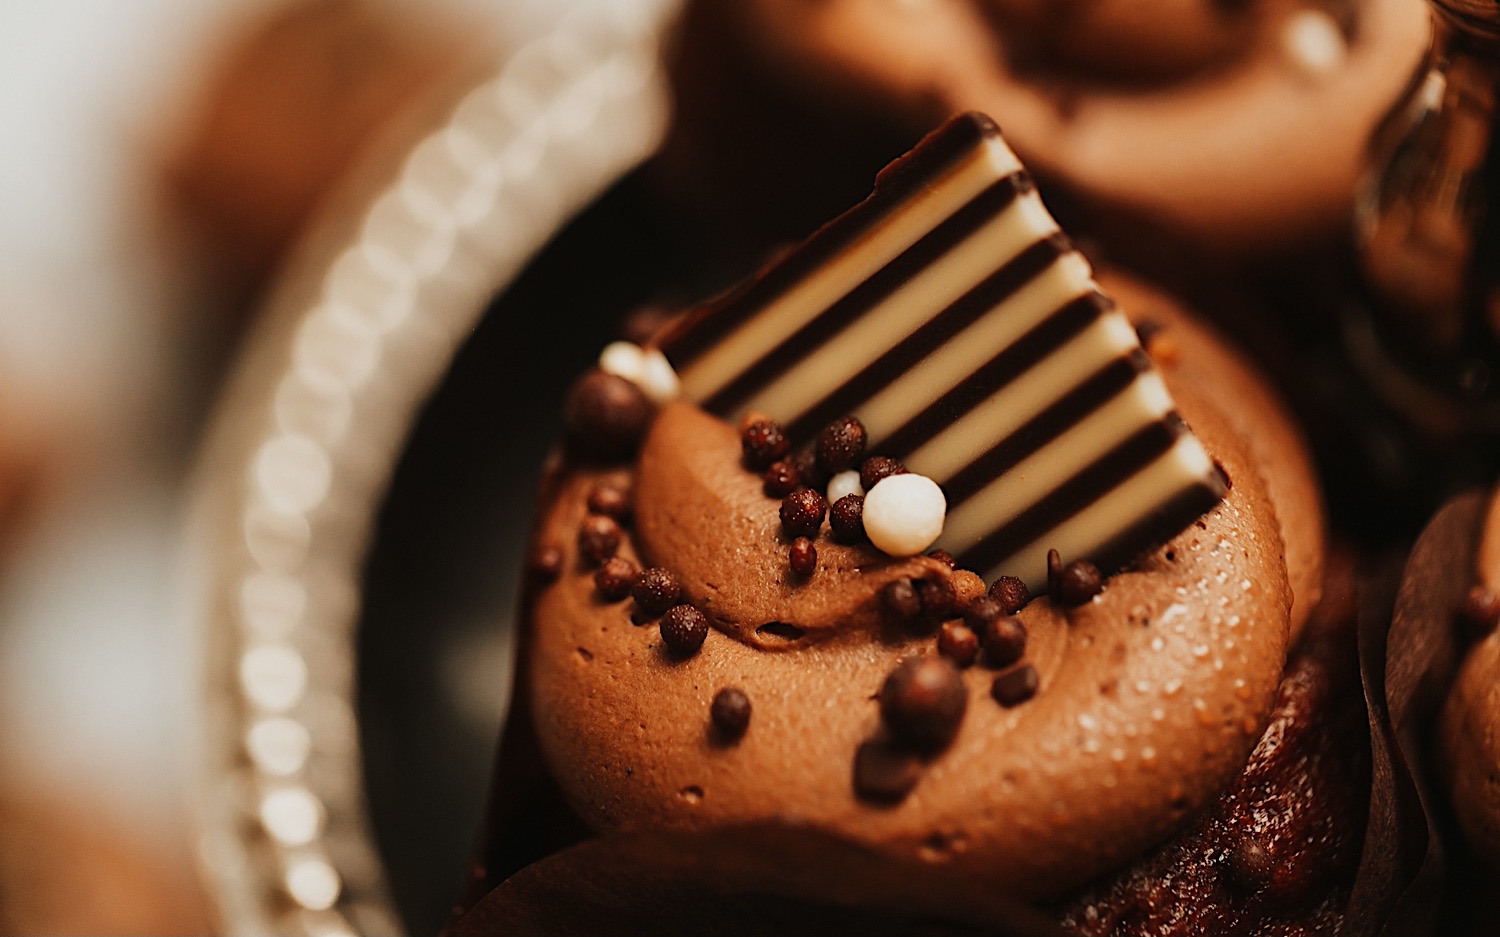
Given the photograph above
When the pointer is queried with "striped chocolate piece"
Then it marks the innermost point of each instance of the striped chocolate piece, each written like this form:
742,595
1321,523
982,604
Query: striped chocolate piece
952,316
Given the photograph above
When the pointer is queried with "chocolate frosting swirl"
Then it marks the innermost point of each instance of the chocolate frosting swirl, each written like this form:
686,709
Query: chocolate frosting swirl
1151,696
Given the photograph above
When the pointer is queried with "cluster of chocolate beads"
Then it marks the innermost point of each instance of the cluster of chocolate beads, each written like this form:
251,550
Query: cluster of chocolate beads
907,518
655,591
923,700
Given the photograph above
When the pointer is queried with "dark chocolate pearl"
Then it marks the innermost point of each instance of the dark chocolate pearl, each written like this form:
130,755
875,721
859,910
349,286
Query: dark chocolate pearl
883,772
944,557
958,643
546,562
763,442
840,445
807,469
982,612
847,518
599,537
605,417
781,479
1015,687
937,598
923,701
683,629
615,578
1249,866
1011,593
1078,582
730,712
803,557
1004,641
877,467
655,590
1054,574
1480,611
802,513
609,499
900,599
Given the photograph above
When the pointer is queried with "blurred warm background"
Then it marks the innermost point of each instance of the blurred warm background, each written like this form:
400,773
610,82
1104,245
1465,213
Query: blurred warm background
159,158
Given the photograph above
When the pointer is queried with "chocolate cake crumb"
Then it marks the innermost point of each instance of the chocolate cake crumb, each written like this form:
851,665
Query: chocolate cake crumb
803,557
1079,582
683,630
1015,687
958,643
802,512
1011,593
606,416
655,590
781,479
923,700
610,500
877,467
840,445
885,773
847,518
763,442
599,537
546,562
1480,611
900,599
1004,641
615,578
730,712
1054,574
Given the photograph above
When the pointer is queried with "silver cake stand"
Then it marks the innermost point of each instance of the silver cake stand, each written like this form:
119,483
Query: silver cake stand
317,417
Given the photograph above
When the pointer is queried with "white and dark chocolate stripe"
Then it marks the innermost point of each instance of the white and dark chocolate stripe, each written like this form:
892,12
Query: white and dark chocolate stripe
952,316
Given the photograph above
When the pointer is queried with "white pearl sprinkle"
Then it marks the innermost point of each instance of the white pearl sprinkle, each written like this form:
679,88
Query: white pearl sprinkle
844,483
904,514
622,359
1313,42
657,377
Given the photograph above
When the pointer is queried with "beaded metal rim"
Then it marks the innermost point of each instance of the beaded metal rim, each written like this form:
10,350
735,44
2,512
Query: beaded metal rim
358,334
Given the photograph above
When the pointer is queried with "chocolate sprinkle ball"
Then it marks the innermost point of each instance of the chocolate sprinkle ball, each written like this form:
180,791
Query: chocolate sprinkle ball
841,445
923,701
803,557
610,500
802,513
615,579
958,643
655,590
598,538
885,773
944,557
763,442
683,630
1079,582
730,712
781,479
877,467
983,612
1011,593
1015,687
605,417
1004,641
546,563
847,518
900,599
937,598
